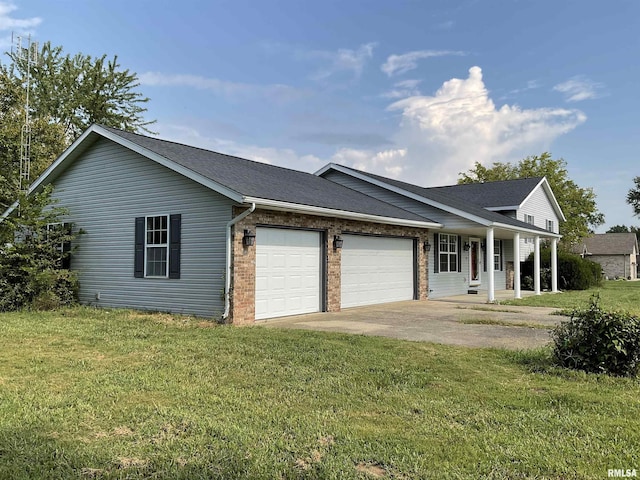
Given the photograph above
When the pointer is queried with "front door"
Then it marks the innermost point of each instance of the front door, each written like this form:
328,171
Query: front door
475,259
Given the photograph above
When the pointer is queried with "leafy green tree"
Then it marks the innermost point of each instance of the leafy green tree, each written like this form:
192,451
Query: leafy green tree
578,204
633,197
77,91
47,138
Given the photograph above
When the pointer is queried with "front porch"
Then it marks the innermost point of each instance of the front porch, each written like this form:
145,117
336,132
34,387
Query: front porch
481,297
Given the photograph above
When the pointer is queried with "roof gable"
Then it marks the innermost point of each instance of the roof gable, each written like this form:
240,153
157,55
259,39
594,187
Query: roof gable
444,198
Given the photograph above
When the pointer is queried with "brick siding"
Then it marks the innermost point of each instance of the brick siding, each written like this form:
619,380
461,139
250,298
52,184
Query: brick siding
242,293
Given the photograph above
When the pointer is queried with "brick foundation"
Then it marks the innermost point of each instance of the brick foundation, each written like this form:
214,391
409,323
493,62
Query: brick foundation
243,261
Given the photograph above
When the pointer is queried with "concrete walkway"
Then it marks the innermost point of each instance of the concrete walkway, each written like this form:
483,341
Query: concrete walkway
453,320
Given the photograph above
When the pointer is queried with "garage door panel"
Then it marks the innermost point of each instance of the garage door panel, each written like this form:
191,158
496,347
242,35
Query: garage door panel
287,272
376,270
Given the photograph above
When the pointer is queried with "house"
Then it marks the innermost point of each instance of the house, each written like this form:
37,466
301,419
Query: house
499,221
171,227
617,253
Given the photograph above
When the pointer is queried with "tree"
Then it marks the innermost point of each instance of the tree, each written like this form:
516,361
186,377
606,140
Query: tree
67,94
47,138
578,204
76,91
633,197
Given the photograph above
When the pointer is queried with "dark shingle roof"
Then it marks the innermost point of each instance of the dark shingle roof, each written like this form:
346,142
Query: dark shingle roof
504,193
254,179
609,244
447,196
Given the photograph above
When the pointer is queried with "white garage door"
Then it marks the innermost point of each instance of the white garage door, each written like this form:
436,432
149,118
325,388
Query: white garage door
376,270
287,272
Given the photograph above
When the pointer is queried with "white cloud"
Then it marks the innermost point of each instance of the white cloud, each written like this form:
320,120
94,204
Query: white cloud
222,87
343,61
21,26
579,88
397,64
444,134
403,89
386,162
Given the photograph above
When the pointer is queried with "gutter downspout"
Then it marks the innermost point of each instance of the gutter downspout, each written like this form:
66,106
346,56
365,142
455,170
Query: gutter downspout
227,284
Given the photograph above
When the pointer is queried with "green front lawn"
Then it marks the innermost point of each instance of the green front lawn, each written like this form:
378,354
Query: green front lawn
109,394
614,295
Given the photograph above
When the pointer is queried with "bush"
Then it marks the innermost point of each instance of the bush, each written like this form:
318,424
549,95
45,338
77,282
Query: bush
574,272
33,249
599,341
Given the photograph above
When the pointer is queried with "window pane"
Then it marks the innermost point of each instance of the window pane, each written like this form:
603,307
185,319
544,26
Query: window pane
444,243
453,243
156,261
444,263
453,263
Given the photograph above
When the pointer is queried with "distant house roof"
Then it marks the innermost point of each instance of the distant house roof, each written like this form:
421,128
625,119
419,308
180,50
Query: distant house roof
461,199
242,180
609,244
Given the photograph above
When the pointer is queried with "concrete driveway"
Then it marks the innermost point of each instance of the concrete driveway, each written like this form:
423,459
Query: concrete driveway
453,321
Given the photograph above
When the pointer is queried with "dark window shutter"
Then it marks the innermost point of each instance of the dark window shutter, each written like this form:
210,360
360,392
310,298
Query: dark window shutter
138,269
459,253
436,253
175,225
484,255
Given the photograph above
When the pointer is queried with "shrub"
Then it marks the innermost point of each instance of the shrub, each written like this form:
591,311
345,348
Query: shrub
33,250
574,272
598,341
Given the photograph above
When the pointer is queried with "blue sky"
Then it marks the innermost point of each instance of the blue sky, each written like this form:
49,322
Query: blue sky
416,90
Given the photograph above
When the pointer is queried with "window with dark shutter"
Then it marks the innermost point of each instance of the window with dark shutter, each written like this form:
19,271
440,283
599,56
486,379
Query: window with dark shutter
157,246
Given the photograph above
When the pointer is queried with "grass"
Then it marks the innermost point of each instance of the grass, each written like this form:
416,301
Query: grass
614,295
113,394
503,323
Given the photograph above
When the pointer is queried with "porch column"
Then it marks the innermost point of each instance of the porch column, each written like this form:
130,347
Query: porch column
554,264
491,288
536,265
516,265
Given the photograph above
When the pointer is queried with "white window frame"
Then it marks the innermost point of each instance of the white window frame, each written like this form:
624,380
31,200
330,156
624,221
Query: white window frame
497,253
531,221
449,253
551,225
148,245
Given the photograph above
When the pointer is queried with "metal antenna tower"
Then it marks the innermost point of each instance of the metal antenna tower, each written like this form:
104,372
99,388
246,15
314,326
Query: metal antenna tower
28,55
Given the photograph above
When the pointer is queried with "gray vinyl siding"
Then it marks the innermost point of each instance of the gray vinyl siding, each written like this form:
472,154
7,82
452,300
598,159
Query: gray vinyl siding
539,206
446,284
440,216
105,190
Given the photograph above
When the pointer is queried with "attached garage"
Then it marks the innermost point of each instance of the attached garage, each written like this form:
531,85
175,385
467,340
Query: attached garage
376,270
288,272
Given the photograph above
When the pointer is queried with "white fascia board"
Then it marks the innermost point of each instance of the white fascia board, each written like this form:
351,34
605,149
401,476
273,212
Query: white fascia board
327,167
330,212
499,209
537,233
544,183
405,193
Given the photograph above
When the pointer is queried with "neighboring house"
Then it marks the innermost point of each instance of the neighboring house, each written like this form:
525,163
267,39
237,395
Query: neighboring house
176,228
617,253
